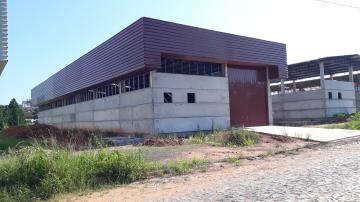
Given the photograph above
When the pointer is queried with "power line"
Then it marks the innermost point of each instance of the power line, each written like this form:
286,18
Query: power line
338,4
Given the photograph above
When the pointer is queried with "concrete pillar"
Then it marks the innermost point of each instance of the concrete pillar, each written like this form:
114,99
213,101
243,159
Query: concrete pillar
294,86
269,98
225,70
331,77
322,75
151,78
351,75
282,86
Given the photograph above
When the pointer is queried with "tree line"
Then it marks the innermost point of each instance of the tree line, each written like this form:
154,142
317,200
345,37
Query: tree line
11,115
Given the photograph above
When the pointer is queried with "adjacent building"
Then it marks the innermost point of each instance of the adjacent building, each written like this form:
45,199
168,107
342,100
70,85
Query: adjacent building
161,77
3,35
316,90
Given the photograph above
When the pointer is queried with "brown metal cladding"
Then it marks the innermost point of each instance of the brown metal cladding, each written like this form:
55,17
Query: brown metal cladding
247,96
141,45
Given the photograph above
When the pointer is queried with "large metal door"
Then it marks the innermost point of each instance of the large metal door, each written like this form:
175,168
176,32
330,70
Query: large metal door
248,96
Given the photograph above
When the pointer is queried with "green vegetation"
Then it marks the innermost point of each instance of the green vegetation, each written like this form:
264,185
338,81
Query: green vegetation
183,166
347,121
233,160
34,173
235,137
11,115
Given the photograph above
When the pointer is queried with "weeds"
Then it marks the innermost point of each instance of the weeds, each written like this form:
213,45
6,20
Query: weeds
38,173
183,166
236,137
233,160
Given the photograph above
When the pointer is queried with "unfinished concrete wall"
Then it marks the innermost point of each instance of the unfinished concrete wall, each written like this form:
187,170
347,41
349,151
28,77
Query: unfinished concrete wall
210,110
343,97
130,111
357,97
145,111
315,104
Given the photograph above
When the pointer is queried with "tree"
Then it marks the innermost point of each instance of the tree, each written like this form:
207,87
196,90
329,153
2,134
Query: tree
14,114
3,117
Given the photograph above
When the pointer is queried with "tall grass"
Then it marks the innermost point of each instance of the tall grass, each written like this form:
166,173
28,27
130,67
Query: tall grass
38,173
235,137
34,173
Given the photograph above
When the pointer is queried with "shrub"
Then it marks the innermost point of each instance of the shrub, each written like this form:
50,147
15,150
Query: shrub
353,125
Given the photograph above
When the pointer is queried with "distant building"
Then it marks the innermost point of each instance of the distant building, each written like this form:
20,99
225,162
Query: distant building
316,90
28,110
26,104
3,35
161,77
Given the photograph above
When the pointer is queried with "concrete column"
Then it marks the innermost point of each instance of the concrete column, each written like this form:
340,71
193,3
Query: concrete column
322,75
331,77
351,75
269,98
151,78
225,70
294,86
282,86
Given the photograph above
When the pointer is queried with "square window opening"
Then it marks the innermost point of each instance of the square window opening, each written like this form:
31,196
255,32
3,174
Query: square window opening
191,98
339,95
168,97
330,95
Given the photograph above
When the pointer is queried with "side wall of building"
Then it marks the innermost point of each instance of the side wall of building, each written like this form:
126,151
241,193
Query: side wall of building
315,104
210,110
343,97
131,111
145,111
357,97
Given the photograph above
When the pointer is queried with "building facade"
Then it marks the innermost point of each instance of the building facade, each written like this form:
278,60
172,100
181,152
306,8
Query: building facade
317,90
3,35
163,77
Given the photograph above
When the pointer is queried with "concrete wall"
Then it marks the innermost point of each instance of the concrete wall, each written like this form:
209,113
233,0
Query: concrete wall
130,111
210,111
314,105
357,97
347,104
145,111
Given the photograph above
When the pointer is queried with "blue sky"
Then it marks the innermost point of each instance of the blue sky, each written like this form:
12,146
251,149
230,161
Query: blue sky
45,36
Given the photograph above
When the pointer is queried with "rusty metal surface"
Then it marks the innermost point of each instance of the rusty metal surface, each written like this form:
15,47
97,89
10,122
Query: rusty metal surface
248,96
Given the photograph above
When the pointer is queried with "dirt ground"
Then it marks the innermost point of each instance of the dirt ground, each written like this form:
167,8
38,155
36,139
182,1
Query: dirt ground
136,191
269,144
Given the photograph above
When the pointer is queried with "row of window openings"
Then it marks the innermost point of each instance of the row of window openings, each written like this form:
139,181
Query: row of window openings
131,84
331,95
168,97
177,66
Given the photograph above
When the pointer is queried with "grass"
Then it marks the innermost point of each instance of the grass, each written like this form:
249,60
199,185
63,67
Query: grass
352,122
233,160
34,173
232,138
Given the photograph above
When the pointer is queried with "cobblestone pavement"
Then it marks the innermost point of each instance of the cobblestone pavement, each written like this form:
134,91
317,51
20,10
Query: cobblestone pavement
333,179
327,174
